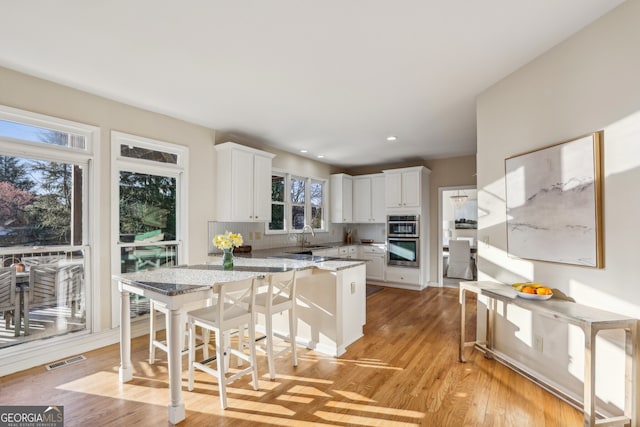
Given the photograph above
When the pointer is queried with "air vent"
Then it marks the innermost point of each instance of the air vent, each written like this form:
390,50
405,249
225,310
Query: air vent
61,363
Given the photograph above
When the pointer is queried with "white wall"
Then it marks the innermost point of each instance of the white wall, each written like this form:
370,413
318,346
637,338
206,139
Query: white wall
588,83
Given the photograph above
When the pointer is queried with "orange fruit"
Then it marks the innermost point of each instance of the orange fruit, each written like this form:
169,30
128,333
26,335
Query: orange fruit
528,290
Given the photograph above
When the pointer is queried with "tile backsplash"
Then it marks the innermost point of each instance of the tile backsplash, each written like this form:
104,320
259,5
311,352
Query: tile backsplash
254,234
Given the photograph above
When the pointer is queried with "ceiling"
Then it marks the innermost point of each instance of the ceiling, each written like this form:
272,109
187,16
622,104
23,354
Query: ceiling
334,77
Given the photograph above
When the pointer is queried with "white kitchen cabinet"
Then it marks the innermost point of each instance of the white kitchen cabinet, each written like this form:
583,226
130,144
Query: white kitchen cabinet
347,251
403,187
243,184
341,196
328,252
376,260
369,199
403,275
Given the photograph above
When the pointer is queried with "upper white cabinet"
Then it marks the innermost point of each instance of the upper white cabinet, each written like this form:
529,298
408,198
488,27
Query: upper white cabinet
243,185
403,187
369,198
341,195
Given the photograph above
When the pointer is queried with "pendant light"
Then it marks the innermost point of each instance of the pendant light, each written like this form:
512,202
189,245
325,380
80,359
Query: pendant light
459,200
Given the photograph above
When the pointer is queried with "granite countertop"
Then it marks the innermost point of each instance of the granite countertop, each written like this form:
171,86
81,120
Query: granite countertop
175,281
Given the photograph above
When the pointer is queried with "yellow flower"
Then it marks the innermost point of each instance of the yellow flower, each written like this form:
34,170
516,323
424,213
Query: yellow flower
227,240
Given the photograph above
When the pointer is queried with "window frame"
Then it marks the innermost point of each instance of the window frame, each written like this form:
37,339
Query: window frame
307,203
90,164
178,170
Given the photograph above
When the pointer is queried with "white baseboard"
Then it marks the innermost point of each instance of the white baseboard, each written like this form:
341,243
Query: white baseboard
37,353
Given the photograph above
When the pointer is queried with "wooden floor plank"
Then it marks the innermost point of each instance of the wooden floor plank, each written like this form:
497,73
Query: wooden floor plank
403,372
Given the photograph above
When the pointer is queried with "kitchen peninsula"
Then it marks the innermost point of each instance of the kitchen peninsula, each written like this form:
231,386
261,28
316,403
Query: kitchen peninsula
330,297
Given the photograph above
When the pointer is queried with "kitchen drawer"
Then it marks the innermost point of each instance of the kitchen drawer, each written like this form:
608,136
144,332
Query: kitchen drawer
347,251
372,250
403,275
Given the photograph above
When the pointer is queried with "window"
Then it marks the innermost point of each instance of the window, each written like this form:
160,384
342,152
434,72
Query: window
45,165
317,204
150,206
277,202
295,202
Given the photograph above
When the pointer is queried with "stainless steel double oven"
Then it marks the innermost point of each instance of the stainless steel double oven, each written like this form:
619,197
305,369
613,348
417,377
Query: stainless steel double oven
403,240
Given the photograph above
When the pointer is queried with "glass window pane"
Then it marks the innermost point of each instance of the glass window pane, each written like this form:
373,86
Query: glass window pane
297,190
297,217
316,193
135,152
147,207
277,188
316,217
277,217
37,199
38,134
58,305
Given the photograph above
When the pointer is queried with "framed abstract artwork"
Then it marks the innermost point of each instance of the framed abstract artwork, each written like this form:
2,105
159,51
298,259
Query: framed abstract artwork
554,203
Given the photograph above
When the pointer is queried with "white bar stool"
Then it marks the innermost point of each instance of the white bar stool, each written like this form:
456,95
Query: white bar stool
279,296
233,307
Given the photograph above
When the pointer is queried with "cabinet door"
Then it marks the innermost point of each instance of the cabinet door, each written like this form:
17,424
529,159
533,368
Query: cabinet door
242,179
362,199
341,194
262,188
378,211
411,189
375,268
393,190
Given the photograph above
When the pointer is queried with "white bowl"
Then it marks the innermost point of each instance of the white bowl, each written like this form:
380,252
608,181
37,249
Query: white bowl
533,296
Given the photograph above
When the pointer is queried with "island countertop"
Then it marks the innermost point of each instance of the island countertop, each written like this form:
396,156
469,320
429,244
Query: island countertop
195,278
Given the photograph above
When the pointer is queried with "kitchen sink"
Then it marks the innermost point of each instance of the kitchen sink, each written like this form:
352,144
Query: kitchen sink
307,249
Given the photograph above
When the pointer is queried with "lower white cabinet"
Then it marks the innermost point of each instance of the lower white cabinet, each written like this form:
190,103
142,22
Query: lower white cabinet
347,251
405,275
376,260
329,252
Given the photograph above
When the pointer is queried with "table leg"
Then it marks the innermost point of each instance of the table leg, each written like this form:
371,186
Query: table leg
589,376
631,375
174,347
463,308
126,370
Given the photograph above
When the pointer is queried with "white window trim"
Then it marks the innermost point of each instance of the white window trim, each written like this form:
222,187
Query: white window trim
91,133
120,163
307,204
29,354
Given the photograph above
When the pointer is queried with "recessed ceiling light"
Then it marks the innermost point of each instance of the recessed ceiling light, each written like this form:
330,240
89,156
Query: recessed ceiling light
303,151
392,138
320,156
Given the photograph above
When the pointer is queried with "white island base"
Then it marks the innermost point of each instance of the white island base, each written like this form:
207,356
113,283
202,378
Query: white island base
331,308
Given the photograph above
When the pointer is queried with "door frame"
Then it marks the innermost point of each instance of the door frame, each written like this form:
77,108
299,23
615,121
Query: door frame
441,191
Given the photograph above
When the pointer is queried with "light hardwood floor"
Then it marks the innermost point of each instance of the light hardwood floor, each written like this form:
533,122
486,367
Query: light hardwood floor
404,372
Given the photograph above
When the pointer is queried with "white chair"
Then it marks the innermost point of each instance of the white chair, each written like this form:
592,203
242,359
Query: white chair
460,261
279,296
233,306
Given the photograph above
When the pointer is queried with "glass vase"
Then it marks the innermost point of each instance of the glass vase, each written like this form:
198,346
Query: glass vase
227,259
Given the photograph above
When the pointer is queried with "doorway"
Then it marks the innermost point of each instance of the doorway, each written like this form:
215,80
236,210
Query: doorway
457,218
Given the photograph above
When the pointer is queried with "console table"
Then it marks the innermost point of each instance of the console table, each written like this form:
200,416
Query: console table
590,320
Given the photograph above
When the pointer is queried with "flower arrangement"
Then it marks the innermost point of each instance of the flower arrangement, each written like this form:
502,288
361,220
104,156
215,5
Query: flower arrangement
227,240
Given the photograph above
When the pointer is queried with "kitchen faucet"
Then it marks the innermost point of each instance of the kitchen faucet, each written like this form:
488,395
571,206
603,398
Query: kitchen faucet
302,238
